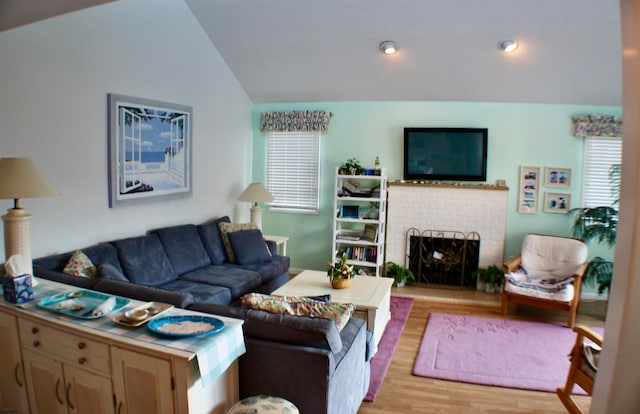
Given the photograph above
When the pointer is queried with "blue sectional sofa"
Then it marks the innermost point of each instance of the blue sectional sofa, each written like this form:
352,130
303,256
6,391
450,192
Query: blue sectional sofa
306,360
180,265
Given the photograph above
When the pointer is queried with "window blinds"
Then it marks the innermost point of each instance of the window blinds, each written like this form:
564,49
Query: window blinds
293,170
600,153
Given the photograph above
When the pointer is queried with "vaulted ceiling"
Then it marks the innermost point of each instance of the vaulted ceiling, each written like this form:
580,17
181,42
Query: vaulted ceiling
327,50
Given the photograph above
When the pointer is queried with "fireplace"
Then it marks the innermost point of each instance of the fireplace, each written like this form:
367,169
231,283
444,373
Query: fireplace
448,258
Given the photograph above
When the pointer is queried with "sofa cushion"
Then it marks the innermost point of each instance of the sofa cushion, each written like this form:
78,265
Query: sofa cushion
144,260
301,306
103,253
225,229
108,271
239,281
184,247
80,265
200,291
210,234
249,247
144,293
269,270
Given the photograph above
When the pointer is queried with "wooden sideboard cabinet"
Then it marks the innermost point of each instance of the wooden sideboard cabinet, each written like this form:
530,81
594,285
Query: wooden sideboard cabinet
61,365
13,392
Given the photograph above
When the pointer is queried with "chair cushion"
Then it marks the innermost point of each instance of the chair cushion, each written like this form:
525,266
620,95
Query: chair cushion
562,295
547,257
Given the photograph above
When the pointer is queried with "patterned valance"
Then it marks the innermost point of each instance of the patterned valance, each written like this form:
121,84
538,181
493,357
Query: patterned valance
597,126
295,121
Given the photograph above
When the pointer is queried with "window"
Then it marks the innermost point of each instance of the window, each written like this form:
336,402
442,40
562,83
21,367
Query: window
600,154
293,171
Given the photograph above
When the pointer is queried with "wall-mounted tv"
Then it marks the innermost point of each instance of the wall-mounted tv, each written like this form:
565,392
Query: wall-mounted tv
447,154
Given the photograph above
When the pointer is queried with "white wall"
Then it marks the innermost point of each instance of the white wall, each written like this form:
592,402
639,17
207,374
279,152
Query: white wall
54,79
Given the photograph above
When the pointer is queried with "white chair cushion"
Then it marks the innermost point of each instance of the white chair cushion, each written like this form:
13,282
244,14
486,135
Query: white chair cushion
563,295
546,257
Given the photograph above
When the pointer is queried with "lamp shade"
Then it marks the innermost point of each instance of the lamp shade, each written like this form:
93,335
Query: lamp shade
255,192
19,178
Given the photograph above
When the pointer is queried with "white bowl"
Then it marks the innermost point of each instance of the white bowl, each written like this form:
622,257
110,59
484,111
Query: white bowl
136,315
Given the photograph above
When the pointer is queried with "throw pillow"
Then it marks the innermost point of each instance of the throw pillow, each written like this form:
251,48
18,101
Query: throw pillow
300,306
80,265
109,271
249,246
225,229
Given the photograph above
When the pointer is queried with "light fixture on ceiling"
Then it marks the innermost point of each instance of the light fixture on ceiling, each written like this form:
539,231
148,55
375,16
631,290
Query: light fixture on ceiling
508,45
389,47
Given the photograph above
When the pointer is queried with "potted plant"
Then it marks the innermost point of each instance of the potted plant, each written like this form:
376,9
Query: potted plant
340,273
400,274
491,278
351,167
599,224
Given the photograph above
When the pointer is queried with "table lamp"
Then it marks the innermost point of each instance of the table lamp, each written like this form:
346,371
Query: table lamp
19,178
255,193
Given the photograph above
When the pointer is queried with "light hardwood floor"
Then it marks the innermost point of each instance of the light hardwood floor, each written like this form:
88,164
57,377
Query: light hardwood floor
402,392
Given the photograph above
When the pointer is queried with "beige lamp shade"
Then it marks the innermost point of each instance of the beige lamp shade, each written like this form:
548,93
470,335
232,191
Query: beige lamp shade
254,193
19,178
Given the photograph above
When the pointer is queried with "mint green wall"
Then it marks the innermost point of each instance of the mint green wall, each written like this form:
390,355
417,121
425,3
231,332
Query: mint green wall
519,134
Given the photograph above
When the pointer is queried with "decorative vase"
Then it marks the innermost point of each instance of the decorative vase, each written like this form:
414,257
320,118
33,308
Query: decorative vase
341,283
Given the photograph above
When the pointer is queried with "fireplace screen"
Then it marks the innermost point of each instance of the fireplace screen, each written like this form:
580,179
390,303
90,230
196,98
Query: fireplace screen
440,257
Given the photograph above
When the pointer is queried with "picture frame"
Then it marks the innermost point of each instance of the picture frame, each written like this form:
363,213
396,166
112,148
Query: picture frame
529,190
150,146
557,203
557,177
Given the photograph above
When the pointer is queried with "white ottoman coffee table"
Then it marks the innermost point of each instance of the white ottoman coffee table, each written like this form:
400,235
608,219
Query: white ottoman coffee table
370,294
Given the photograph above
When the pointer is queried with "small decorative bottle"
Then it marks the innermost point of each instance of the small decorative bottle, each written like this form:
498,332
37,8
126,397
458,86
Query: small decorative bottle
377,166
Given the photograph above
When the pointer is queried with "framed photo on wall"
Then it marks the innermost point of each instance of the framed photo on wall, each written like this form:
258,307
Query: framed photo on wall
529,190
557,177
149,150
557,203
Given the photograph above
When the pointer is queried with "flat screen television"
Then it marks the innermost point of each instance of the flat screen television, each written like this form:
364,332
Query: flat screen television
447,154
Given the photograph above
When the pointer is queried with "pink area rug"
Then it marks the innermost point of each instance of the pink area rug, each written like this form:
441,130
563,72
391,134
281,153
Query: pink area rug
400,309
497,352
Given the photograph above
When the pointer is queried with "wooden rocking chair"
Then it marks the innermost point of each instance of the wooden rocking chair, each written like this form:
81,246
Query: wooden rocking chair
583,367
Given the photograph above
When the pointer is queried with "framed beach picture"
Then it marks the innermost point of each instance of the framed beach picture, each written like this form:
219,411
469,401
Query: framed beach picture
557,203
149,150
529,190
557,177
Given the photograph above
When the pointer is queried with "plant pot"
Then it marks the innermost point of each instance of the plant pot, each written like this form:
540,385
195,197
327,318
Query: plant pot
489,288
400,283
341,283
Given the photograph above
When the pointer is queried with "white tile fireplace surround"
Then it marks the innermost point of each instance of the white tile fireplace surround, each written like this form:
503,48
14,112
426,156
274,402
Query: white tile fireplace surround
447,207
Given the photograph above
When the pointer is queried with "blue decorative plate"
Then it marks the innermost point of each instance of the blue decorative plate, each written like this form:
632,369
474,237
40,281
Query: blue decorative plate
186,325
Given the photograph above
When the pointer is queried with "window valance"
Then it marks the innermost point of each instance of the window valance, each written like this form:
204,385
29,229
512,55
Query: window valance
597,126
294,121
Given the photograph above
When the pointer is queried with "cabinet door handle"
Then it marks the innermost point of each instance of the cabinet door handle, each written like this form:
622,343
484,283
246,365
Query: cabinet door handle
34,330
58,397
16,374
36,344
82,360
81,345
68,397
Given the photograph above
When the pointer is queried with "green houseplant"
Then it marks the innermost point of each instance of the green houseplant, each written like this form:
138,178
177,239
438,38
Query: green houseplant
491,277
401,275
351,167
599,224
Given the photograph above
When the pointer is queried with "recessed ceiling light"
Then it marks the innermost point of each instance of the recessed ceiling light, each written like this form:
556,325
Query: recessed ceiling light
389,47
508,45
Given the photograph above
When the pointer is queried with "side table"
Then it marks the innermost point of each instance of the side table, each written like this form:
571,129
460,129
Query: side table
281,243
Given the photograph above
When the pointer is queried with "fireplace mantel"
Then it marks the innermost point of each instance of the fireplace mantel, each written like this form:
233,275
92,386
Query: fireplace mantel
453,207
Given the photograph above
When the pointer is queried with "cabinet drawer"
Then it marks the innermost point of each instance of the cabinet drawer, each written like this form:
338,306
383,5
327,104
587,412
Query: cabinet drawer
67,347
